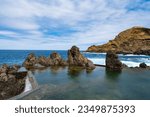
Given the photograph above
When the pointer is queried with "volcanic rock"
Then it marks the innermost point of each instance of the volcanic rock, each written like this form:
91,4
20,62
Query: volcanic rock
21,73
75,58
42,60
4,68
56,60
112,62
135,40
30,61
142,65
10,85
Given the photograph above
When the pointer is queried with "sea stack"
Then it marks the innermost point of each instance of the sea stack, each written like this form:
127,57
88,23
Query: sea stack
75,58
112,62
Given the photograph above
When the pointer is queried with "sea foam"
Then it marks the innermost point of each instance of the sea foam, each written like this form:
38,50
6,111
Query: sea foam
101,61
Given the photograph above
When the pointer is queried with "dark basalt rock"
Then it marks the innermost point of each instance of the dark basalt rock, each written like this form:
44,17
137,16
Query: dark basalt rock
143,65
10,85
21,73
145,52
112,62
75,58
124,65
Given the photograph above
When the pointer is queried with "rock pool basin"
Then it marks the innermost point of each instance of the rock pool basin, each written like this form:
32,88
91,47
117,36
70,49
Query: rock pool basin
72,83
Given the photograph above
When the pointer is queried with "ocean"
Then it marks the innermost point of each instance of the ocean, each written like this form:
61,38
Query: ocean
18,56
75,83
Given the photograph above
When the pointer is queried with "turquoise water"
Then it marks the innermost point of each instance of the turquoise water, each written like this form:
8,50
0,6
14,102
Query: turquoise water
75,83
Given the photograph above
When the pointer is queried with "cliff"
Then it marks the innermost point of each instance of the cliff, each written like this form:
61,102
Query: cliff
135,40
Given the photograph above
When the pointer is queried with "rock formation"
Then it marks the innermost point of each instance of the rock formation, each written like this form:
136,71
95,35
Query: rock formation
56,60
30,61
143,65
12,81
75,58
39,62
112,62
135,40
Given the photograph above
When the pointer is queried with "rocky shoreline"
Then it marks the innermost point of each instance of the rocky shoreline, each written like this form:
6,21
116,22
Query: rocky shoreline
114,64
12,81
135,40
75,58
13,78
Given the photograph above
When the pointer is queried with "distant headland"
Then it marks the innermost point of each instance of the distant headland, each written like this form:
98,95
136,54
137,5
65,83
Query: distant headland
135,40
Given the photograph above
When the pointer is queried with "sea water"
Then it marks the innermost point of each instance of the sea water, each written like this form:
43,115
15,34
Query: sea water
18,56
75,83
69,83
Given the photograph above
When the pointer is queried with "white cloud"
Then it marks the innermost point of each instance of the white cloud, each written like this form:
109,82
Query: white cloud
94,22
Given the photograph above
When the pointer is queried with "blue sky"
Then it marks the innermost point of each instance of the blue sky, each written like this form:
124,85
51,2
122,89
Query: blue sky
59,24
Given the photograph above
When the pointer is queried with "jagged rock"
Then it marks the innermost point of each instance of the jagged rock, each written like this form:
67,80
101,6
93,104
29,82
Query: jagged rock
143,65
30,61
13,69
112,62
11,87
124,65
42,60
75,58
3,77
57,60
4,68
90,65
53,60
9,84
135,40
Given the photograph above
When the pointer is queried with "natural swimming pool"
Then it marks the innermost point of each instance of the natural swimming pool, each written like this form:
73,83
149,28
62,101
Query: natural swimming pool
75,83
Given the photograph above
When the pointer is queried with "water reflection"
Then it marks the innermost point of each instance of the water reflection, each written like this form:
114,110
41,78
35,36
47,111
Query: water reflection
74,72
56,69
112,75
77,83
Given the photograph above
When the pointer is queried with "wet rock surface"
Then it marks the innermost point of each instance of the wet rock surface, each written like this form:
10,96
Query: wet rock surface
143,65
75,58
112,62
12,82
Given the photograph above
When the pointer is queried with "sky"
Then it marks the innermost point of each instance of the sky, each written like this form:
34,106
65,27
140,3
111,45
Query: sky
60,24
